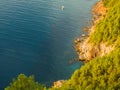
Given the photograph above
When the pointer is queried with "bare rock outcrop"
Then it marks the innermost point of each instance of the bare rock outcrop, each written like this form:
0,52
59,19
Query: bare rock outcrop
58,83
87,51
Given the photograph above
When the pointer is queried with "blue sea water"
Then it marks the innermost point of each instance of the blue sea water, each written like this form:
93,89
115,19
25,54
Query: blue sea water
36,38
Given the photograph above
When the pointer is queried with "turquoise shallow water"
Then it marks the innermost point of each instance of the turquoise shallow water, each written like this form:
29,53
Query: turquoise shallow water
36,38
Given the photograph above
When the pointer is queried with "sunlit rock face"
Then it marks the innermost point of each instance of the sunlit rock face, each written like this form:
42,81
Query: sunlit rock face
58,83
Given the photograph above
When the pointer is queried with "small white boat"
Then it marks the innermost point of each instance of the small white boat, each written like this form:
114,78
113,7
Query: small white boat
62,7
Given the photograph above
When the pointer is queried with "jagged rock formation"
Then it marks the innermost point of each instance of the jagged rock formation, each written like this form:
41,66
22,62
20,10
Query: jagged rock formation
85,49
58,83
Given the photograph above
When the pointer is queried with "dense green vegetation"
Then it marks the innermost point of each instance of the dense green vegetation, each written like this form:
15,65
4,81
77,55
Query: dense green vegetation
110,3
108,30
101,73
25,83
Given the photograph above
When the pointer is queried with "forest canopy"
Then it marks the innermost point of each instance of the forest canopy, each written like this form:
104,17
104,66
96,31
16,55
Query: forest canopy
25,83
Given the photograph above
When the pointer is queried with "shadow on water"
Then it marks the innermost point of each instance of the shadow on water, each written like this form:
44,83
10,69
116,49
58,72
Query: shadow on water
37,38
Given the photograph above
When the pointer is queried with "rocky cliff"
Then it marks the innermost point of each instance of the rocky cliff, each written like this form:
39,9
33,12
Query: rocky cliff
85,49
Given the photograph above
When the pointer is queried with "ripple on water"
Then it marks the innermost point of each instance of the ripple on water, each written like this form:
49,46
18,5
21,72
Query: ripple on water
36,37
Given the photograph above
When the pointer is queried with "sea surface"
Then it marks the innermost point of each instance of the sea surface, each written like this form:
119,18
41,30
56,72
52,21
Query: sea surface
36,38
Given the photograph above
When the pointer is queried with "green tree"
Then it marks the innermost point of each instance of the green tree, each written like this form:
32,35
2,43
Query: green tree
25,83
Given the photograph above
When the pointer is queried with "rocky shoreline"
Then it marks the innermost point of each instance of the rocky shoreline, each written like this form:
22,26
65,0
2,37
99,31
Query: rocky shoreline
85,49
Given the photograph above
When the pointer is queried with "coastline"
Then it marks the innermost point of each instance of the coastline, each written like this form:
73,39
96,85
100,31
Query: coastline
85,49
81,44
83,40
102,70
